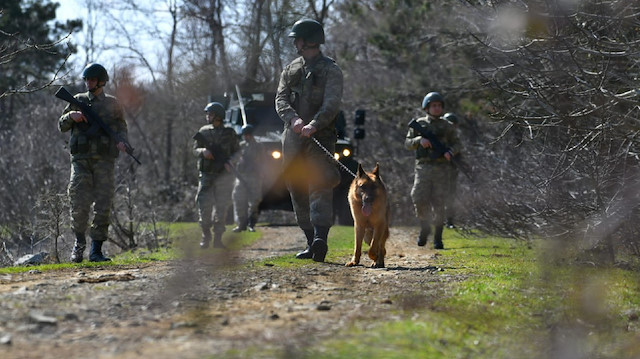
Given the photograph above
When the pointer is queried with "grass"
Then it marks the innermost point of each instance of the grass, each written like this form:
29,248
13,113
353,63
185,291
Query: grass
509,301
179,232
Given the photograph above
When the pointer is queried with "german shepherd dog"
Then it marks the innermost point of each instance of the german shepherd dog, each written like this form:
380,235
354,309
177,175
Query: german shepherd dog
370,211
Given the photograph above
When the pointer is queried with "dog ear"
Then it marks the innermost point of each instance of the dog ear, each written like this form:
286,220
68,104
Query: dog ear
360,171
376,170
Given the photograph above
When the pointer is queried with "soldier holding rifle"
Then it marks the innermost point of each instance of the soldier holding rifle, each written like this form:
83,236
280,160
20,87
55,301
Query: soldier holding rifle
93,153
436,144
213,145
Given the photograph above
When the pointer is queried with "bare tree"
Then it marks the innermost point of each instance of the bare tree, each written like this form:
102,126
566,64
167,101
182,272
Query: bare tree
209,12
564,79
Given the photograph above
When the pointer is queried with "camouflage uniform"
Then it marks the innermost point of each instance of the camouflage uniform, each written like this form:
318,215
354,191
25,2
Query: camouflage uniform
312,91
451,200
247,191
432,175
215,182
93,154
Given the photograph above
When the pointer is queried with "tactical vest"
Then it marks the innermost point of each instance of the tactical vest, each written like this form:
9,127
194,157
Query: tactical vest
439,128
91,141
225,142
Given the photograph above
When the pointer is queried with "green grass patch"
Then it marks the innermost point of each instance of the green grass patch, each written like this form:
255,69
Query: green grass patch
511,303
185,241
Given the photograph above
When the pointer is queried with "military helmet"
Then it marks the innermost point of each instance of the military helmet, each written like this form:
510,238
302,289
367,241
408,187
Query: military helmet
97,71
431,97
247,130
309,30
451,117
216,108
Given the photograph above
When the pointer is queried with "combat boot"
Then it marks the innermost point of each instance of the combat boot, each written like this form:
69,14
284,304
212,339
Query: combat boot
425,229
437,238
306,254
449,224
78,248
95,254
206,238
319,245
242,226
252,224
217,241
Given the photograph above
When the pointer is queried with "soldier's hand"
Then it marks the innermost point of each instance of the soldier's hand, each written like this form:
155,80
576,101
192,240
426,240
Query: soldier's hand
121,146
425,143
77,116
207,154
298,123
308,131
448,156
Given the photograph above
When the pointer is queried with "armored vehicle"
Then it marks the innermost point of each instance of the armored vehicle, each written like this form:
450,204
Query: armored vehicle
259,111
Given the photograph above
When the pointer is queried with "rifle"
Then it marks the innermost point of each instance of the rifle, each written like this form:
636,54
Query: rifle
438,147
94,120
217,152
242,110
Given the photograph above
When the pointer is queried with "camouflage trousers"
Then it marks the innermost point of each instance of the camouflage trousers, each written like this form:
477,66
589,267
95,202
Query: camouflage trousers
430,190
450,199
92,183
246,199
214,200
311,176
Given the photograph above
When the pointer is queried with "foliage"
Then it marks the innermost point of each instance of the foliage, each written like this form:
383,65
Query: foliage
563,78
32,49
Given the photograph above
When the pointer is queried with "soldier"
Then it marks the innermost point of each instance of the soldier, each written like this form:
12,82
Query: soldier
247,191
432,169
450,200
308,101
93,154
213,145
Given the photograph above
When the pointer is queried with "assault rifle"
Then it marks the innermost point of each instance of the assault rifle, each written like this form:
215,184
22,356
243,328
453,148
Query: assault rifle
218,158
438,148
94,120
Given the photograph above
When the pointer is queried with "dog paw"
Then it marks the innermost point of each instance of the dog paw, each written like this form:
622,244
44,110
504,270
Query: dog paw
351,264
377,265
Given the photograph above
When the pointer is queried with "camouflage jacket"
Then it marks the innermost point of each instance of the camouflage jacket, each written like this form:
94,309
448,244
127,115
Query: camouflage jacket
94,143
223,141
444,131
252,158
312,91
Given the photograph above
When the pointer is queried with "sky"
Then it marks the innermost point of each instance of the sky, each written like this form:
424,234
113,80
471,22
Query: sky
74,9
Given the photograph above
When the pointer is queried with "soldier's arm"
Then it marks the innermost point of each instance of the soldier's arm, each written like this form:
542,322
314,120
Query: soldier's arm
122,129
332,99
198,149
412,141
283,97
65,122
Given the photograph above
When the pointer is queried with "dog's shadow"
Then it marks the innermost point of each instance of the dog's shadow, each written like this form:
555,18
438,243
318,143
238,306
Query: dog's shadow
417,269
430,269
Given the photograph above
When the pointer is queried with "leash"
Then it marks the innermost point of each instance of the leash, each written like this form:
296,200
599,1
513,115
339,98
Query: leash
333,158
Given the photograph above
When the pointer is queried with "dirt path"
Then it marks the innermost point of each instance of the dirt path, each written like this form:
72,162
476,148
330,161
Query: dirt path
193,308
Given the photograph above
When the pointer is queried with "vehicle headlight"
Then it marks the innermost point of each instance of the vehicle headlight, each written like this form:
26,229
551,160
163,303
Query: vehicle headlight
336,156
276,154
346,152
